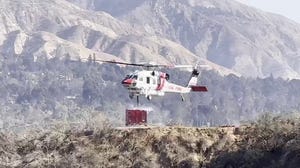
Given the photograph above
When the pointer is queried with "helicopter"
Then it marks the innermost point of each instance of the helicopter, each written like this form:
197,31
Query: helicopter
150,82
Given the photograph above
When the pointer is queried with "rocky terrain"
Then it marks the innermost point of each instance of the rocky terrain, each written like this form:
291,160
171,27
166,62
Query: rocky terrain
244,39
59,28
227,35
270,142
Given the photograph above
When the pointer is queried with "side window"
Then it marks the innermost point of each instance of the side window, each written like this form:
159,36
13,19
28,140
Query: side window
148,80
154,81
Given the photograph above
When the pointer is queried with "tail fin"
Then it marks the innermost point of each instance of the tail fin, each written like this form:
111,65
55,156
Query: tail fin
194,78
193,83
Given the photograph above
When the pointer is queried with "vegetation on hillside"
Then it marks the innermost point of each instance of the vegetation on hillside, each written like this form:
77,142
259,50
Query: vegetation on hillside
36,92
270,142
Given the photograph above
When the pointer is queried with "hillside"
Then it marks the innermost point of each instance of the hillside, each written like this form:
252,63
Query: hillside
228,36
243,39
59,28
36,94
267,143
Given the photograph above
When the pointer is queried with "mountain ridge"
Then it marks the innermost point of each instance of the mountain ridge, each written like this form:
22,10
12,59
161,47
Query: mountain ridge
80,33
225,32
230,37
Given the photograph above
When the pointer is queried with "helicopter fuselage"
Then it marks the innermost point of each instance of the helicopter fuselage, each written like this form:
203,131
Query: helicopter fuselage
151,83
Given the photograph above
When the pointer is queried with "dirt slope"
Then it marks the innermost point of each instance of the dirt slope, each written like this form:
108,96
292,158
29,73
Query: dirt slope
259,145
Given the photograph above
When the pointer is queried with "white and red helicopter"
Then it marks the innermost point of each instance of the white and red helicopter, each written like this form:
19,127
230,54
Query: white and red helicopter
150,83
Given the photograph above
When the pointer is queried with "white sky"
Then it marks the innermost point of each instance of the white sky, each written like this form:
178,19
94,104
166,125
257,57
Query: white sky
288,8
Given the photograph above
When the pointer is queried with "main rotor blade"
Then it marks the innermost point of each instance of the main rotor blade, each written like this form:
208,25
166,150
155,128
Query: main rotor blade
121,63
147,65
207,67
182,66
134,64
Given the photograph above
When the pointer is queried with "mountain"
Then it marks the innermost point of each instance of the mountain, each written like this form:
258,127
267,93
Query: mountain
59,28
32,29
225,32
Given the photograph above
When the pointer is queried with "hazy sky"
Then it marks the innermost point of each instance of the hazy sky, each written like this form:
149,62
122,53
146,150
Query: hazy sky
288,8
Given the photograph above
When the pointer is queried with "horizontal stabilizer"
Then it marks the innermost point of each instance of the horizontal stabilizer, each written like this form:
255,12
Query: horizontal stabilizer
199,89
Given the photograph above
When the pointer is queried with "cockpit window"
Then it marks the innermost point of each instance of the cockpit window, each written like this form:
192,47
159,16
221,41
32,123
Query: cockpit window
131,76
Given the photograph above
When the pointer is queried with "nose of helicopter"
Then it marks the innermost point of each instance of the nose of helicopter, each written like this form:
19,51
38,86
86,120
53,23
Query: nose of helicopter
127,82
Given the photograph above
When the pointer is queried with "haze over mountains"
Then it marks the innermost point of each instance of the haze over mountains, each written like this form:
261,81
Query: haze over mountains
225,34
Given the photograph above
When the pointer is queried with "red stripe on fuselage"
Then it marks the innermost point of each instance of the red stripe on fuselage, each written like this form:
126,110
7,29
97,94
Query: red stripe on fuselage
162,83
127,82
